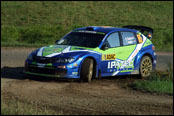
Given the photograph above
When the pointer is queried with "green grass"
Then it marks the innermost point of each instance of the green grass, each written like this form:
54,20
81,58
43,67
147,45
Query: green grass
158,82
15,107
44,22
157,86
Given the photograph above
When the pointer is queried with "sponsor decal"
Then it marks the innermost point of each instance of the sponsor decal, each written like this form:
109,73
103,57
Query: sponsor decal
140,40
94,32
74,73
130,40
135,53
108,56
84,31
120,64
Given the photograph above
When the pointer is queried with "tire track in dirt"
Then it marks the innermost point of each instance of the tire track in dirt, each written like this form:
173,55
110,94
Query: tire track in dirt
99,97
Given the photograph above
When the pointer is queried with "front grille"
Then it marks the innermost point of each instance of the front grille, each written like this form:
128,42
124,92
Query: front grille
47,70
41,70
41,59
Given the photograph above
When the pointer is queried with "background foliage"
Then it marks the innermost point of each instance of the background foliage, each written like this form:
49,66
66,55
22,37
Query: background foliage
43,22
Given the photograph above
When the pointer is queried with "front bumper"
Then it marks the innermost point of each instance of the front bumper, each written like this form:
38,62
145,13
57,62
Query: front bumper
51,71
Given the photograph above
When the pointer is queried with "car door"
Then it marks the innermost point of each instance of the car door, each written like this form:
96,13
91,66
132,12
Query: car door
126,53
109,53
115,59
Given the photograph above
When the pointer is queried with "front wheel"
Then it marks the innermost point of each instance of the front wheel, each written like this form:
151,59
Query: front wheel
145,67
87,70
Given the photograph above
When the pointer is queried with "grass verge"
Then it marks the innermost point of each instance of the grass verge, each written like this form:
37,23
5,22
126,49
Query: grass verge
158,82
15,107
43,22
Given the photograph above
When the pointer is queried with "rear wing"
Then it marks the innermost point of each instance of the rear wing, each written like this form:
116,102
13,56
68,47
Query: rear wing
147,31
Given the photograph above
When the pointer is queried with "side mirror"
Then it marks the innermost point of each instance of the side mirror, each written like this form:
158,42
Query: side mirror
105,47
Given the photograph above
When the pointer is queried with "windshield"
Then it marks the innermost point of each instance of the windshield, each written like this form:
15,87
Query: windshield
91,40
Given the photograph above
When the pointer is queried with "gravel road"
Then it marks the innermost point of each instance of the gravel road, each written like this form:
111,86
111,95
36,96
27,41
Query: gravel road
105,96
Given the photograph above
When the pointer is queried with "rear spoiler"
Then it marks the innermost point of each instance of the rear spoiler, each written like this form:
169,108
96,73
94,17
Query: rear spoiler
147,31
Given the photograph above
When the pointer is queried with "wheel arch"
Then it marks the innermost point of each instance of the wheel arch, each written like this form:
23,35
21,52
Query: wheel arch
139,58
95,69
147,54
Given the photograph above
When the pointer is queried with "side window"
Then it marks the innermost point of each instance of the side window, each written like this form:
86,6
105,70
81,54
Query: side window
128,38
113,40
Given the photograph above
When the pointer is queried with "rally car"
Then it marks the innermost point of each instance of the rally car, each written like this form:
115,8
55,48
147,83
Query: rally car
96,51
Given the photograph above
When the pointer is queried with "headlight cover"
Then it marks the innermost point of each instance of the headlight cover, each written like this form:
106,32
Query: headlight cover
65,60
30,57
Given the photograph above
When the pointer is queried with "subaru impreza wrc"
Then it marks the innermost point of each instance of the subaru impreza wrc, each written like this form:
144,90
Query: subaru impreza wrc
96,51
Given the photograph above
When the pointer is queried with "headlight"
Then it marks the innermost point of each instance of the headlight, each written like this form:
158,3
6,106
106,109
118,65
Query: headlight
65,60
30,57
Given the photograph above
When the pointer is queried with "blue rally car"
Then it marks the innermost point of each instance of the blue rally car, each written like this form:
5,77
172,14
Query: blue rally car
96,51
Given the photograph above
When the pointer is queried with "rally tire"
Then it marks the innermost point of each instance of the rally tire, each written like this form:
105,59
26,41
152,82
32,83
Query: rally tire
145,67
87,70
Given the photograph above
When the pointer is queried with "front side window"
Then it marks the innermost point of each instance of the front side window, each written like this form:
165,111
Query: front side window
128,38
91,40
113,40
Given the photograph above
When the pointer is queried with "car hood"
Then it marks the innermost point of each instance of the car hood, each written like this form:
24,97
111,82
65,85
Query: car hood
63,51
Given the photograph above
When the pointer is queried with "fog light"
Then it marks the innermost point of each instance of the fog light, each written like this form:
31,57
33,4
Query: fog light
61,66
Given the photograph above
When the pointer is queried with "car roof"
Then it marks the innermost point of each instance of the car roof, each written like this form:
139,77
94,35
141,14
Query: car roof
105,29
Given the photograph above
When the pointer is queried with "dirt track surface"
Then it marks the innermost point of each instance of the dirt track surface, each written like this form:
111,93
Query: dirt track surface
106,96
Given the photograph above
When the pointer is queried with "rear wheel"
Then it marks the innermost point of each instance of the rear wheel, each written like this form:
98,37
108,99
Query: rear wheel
145,67
87,70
